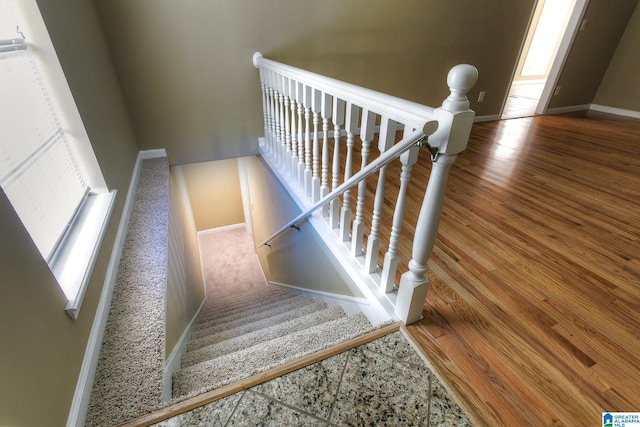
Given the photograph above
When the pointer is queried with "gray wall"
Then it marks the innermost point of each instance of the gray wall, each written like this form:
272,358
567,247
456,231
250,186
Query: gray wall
42,348
620,86
592,51
296,258
187,76
190,86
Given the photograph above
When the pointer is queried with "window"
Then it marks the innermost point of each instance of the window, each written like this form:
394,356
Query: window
47,167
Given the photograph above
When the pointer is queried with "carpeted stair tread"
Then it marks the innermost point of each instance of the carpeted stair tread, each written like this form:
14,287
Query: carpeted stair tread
241,364
247,299
261,304
224,316
254,314
242,294
243,328
244,299
256,337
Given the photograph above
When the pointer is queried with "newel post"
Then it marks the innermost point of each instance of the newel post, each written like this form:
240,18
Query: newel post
454,125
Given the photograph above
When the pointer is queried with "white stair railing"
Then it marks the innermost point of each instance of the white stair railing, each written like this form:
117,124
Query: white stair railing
311,105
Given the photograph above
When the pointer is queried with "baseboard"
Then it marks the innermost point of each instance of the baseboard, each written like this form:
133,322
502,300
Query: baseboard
490,118
567,109
350,304
84,386
172,363
616,111
572,108
348,298
152,154
223,228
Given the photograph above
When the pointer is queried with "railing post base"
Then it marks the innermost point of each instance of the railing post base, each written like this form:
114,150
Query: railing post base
411,297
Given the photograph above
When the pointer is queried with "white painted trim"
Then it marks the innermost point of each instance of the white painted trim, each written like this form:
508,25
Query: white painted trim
84,231
491,118
84,386
616,111
573,26
152,154
568,109
223,228
264,276
357,300
172,363
246,196
351,305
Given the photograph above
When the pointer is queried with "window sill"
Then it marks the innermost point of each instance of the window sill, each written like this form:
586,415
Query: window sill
74,264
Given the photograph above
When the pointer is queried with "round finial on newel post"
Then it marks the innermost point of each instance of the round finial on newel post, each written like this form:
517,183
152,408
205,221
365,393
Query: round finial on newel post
460,80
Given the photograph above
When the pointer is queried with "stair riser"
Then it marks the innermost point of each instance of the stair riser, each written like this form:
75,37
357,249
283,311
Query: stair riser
244,328
241,364
257,337
232,321
222,312
240,300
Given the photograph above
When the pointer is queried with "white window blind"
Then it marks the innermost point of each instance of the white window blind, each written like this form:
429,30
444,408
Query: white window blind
38,171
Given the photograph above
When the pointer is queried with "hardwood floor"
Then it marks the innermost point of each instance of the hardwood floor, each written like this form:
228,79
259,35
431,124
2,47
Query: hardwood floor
533,315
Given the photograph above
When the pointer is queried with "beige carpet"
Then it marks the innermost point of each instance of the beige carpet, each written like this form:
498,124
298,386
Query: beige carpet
247,326
267,344
229,262
241,310
129,380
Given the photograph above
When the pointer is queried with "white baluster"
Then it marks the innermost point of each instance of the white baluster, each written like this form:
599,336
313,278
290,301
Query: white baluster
287,124
276,119
338,120
300,99
367,127
281,124
294,137
274,123
414,284
307,141
326,107
265,108
269,134
315,181
390,266
386,140
351,126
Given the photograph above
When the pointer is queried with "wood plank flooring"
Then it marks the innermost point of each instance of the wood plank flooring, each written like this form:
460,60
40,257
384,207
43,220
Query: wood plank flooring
533,315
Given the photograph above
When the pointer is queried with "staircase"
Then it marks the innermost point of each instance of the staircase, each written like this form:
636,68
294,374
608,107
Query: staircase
249,332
